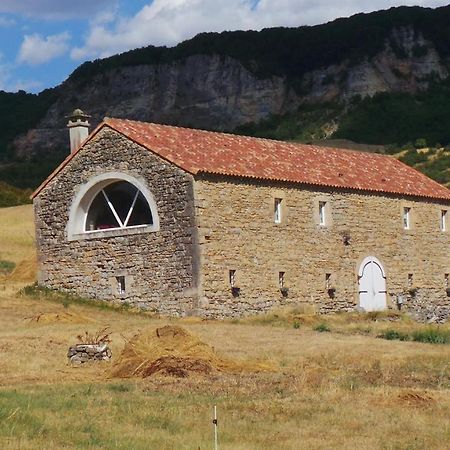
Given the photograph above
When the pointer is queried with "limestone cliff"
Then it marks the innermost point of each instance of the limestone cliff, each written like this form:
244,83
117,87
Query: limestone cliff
220,93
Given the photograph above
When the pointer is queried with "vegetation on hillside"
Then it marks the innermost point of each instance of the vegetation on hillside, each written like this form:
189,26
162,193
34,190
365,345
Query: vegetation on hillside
18,113
13,196
292,52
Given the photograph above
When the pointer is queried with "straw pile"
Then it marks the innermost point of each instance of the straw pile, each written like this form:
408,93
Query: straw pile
173,351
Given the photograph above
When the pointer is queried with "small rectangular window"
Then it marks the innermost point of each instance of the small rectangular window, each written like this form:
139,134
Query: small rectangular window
277,210
406,218
443,220
327,280
120,284
410,279
232,278
281,279
322,213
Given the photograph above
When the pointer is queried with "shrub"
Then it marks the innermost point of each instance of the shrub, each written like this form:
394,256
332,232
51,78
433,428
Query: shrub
432,336
6,267
322,327
392,335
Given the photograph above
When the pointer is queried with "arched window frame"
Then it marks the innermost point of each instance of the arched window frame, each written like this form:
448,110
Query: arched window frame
76,227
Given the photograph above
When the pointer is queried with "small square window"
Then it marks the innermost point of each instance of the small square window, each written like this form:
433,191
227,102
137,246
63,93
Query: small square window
277,210
443,224
322,213
407,218
120,284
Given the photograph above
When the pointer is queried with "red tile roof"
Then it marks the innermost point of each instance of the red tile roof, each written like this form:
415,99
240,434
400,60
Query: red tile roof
197,151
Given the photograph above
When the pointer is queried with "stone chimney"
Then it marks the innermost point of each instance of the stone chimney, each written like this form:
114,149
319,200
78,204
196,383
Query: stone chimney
78,128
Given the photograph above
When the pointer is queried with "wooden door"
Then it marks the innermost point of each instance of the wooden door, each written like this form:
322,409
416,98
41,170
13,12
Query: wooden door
372,285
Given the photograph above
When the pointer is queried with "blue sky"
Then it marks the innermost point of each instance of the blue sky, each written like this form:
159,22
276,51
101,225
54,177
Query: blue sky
43,41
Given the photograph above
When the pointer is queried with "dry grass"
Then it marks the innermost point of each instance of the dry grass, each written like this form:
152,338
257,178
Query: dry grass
342,389
17,233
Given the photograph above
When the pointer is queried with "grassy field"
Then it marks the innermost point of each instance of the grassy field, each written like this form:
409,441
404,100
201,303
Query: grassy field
332,383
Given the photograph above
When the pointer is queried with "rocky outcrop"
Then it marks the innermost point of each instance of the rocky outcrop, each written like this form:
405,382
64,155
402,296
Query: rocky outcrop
407,64
218,92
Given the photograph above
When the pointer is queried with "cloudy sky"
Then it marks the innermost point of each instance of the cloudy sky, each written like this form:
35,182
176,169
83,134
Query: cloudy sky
43,41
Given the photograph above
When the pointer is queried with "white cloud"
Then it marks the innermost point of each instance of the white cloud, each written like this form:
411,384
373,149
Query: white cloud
5,22
55,9
36,49
167,22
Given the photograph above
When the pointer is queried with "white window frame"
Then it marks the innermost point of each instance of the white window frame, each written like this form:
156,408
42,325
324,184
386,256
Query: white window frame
121,284
323,206
443,219
406,217
76,227
277,210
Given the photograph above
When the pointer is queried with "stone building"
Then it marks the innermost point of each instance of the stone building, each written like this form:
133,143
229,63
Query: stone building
184,221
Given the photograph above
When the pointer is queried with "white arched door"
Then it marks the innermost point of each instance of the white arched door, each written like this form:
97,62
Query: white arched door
372,285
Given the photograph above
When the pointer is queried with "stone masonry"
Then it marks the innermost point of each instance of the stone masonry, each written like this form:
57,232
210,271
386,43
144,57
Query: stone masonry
212,224
160,267
237,232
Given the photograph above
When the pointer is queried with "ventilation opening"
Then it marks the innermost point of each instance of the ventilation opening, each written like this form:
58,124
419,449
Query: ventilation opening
121,288
281,279
232,278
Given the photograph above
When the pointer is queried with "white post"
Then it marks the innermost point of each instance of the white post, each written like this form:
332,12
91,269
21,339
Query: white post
215,427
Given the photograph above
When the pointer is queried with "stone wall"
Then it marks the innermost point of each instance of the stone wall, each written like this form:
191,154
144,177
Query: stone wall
213,224
159,267
237,232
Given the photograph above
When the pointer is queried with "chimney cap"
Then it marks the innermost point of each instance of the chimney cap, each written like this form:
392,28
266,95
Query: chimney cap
77,114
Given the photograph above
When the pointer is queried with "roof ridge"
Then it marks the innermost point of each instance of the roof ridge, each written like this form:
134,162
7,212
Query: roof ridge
245,136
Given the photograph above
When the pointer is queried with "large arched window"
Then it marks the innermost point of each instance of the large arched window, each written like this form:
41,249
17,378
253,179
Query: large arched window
118,205
112,204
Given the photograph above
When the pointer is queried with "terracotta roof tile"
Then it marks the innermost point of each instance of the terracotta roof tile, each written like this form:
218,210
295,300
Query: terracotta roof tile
197,151
220,153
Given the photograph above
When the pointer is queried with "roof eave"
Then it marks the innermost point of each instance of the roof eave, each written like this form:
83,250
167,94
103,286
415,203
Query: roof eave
329,185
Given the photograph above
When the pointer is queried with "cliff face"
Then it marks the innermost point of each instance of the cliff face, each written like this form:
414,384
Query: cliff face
218,92
407,64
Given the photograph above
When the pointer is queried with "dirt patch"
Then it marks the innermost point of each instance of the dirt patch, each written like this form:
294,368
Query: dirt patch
173,351
62,317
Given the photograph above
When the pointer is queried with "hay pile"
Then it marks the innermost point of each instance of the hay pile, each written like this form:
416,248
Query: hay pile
173,351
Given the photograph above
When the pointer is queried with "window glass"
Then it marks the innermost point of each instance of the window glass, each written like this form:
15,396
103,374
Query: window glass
322,218
118,205
443,220
406,218
100,216
277,210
